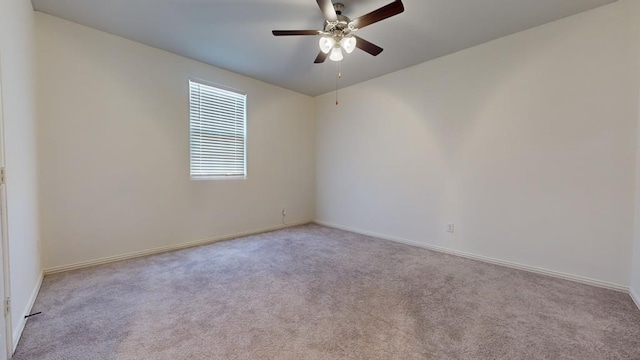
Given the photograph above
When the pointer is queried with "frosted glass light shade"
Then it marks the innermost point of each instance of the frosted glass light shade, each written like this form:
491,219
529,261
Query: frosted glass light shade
336,54
326,44
348,43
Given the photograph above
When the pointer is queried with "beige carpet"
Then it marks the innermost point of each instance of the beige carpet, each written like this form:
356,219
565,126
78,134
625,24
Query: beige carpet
312,292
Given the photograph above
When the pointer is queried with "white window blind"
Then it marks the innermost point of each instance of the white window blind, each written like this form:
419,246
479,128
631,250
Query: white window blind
217,127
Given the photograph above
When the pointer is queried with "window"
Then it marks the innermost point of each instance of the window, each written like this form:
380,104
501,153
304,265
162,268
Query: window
217,132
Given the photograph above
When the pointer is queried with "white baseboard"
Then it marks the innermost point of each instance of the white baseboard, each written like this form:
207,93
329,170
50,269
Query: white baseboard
533,269
634,297
22,321
109,259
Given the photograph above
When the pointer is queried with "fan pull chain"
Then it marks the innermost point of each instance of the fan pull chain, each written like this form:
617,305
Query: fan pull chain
337,78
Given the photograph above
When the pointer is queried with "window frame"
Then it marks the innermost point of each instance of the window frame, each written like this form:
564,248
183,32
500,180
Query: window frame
222,89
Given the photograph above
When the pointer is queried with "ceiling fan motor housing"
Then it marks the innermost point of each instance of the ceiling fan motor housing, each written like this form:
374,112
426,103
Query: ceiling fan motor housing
341,27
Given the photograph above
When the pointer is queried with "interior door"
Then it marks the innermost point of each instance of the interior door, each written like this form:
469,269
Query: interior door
6,342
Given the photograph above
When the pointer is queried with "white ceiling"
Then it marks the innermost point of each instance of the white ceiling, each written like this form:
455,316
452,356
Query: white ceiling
236,34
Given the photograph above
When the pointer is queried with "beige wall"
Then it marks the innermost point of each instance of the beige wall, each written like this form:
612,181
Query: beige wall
17,53
114,146
526,143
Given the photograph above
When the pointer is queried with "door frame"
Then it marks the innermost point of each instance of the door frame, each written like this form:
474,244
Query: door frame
4,234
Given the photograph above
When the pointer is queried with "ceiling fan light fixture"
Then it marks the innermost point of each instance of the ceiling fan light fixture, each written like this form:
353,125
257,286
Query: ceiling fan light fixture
326,44
348,43
336,54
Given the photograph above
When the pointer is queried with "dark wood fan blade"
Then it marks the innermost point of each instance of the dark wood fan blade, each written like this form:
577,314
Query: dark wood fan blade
326,6
294,32
364,45
321,58
382,13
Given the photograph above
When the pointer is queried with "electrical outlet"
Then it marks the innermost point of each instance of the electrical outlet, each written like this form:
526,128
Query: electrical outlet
284,211
450,227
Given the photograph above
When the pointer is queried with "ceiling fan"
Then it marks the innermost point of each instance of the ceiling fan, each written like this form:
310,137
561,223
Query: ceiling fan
337,31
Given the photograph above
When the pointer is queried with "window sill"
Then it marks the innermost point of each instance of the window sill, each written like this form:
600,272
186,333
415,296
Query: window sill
234,177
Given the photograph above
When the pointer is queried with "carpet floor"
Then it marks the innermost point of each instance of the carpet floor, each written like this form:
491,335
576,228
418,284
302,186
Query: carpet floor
312,292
